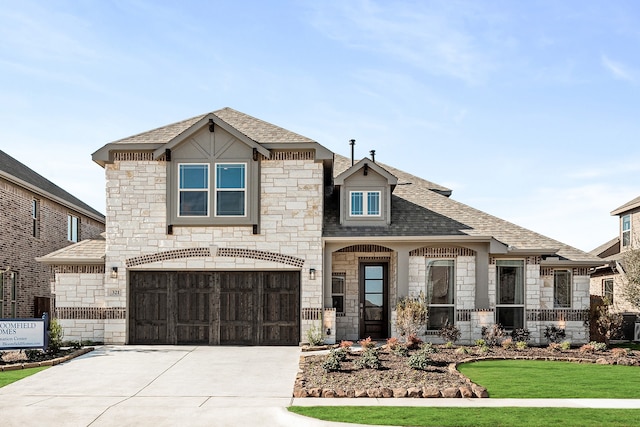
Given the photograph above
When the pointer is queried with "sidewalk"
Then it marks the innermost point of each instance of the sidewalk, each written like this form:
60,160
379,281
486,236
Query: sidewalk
473,403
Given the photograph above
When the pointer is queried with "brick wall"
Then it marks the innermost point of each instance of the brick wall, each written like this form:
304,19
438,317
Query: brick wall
18,246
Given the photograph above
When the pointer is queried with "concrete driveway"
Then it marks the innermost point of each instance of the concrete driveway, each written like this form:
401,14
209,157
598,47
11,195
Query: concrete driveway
160,386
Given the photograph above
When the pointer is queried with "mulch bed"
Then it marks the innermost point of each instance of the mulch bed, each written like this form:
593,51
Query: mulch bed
440,379
13,363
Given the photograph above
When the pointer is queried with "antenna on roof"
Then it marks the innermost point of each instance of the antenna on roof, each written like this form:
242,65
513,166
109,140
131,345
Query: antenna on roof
373,155
352,143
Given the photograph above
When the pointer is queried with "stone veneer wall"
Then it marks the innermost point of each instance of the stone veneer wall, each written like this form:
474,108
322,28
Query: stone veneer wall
290,225
347,263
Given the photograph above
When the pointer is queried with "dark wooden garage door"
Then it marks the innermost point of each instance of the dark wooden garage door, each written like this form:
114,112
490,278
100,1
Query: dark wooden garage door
245,308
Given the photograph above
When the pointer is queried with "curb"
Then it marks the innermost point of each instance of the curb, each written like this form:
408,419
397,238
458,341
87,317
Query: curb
51,362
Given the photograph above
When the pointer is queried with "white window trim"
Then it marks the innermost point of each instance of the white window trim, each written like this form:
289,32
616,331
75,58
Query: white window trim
455,285
365,204
626,231
208,190
71,227
339,294
216,189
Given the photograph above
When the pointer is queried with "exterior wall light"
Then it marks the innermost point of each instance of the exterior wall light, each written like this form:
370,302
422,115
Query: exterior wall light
312,274
114,272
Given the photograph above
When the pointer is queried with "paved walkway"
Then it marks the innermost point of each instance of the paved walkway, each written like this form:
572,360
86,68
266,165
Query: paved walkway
193,386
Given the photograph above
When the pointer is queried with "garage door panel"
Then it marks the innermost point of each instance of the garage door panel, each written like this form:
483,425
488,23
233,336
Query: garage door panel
240,308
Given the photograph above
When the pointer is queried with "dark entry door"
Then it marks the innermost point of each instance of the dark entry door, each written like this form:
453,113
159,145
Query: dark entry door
373,300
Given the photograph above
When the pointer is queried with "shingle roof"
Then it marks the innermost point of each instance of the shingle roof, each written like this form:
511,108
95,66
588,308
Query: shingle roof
627,206
13,168
607,248
90,251
258,130
418,210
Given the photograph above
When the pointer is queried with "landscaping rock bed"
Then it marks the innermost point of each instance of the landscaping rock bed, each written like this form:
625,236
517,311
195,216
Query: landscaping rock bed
441,379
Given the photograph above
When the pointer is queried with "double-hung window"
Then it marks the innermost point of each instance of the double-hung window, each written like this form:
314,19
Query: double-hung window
365,203
562,289
510,293
231,189
73,228
193,187
441,283
626,230
13,278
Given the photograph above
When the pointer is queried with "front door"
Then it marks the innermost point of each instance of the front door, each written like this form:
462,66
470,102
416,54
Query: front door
373,300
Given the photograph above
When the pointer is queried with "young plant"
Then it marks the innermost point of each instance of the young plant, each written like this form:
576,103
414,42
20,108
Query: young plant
413,342
493,335
565,345
421,359
553,334
367,343
55,336
333,360
508,344
520,335
521,345
314,335
412,313
449,333
370,359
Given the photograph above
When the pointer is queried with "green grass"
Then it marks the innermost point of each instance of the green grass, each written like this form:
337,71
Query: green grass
477,417
563,380
13,376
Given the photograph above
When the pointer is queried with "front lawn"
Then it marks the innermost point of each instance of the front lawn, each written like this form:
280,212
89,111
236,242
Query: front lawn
9,377
476,417
527,379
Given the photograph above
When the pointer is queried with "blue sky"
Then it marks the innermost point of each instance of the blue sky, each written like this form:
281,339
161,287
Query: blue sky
529,111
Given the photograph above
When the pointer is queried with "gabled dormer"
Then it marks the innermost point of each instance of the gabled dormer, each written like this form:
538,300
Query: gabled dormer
365,194
212,175
629,214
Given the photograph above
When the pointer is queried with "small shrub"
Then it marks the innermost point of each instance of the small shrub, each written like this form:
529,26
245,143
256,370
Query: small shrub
565,345
314,335
480,343
413,342
620,352
370,359
333,360
33,354
401,350
412,313
392,343
449,344
587,348
493,335
483,349
520,335
421,359
462,350
367,343
55,336
346,345
508,344
428,348
554,334
521,345
554,346
599,346
449,333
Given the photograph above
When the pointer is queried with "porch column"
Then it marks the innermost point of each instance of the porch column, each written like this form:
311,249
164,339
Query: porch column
482,278
327,274
403,273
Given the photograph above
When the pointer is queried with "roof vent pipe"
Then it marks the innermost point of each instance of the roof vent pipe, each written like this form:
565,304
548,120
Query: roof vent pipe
373,155
352,143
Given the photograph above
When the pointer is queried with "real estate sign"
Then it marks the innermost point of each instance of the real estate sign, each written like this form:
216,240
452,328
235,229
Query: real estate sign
23,333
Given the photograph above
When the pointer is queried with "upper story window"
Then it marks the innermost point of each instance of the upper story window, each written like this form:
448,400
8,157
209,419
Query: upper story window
193,187
231,188
365,203
626,230
441,283
73,228
35,218
562,288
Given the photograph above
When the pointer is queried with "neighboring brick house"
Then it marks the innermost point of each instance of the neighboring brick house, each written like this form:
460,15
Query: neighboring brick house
225,229
608,278
37,217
